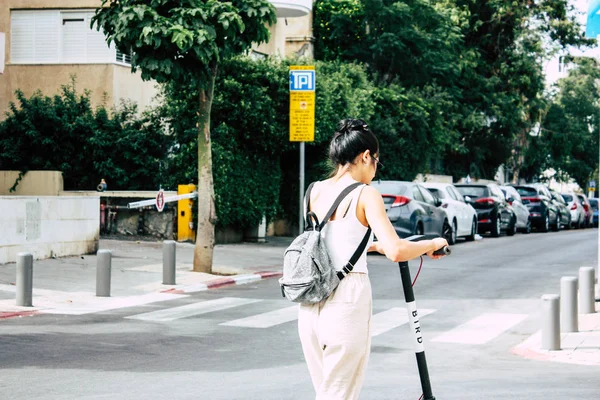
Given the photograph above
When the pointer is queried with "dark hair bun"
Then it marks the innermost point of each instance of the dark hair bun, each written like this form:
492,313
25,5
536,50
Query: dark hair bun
351,138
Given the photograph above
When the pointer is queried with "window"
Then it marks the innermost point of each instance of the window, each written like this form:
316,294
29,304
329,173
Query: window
427,195
55,36
417,194
439,193
455,194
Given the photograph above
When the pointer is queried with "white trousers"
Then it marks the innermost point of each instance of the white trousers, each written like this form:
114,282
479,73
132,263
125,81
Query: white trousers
336,339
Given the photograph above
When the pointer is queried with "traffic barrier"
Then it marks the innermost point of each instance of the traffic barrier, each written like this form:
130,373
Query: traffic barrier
550,322
569,320
587,303
24,279
103,271
169,258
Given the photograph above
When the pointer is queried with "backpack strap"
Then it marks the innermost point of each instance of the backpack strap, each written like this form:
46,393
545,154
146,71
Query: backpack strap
350,265
337,202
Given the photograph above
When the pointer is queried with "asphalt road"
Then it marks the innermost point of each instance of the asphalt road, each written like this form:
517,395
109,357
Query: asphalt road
183,352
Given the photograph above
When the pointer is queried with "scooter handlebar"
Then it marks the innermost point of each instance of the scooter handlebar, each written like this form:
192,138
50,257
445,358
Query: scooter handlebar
444,251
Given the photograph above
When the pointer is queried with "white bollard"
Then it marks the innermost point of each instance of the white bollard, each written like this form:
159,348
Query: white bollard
550,322
569,320
587,301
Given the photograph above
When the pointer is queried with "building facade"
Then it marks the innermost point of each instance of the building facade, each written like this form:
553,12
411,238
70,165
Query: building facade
46,42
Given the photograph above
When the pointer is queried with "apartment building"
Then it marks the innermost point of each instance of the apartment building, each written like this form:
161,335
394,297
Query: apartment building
48,41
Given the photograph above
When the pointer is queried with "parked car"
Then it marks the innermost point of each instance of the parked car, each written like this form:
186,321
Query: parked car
462,216
494,214
412,209
589,213
575,208
563,211
521,211
594,204
542,212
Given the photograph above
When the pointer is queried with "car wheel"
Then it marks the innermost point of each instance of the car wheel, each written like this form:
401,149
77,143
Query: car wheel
496,229
512,229
527,227
452,234
546,224
419,229
556,226
471,237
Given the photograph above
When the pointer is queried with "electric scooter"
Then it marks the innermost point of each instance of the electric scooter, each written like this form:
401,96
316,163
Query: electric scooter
413,318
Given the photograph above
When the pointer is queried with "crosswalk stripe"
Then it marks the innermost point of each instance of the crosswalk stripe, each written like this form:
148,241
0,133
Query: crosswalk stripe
189,310
392,318
266,320
481,329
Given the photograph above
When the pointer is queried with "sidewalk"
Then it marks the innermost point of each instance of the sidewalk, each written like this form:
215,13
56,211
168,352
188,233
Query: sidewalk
581,347
68,285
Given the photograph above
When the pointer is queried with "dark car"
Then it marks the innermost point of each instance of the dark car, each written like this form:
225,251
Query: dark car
563,211
412,209
493,211
542,211
594,204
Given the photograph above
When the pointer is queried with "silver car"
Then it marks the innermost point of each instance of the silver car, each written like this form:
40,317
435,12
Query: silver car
521,211
576,208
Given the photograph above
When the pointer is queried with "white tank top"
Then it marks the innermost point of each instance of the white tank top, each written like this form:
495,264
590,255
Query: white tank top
343,235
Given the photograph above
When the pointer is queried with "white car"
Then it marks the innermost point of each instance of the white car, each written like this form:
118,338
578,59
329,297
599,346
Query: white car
462,216
576,208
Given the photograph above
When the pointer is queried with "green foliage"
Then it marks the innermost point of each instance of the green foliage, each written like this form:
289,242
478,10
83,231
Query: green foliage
255,167
183,40
571,129
63,133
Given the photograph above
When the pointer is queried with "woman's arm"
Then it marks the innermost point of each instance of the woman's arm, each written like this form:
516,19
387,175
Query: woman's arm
389,243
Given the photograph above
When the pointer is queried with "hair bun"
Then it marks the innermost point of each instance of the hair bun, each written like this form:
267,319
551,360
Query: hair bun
351,124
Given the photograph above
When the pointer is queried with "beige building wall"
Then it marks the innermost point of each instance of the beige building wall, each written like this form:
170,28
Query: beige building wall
108,82
33,183
290,37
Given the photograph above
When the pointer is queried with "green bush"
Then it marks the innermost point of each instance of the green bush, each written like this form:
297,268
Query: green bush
63,133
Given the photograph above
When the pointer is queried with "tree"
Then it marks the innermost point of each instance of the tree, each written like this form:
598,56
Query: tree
183,42
568,140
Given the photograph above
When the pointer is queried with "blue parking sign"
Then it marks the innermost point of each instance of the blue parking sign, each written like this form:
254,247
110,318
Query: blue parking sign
302,80
592,28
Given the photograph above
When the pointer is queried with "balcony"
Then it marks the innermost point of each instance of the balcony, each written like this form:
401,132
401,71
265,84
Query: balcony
292,8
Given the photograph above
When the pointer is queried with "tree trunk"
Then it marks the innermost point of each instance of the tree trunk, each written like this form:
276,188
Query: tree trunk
207,217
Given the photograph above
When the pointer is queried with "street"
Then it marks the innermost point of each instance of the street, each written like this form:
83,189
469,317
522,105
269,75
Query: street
240,342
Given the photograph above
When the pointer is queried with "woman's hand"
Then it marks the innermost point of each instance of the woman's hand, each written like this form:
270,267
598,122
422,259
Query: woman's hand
438,243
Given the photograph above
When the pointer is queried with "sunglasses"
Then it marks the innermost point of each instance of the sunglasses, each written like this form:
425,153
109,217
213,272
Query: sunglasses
377,162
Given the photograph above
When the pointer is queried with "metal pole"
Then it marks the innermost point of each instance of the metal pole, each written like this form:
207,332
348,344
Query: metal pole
415,327
569,319
169,261
24,279
550,322
103,269
587,303
301,212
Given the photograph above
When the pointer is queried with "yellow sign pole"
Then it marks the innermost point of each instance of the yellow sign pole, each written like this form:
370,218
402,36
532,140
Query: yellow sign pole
302,118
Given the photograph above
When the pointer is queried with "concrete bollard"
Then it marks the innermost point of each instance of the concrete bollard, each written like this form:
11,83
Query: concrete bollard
550,322
569,320
24,279
169,261
587,304
103,270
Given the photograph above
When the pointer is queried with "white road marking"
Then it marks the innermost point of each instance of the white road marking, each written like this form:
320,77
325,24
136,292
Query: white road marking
189,310
481,329
266,320
392,318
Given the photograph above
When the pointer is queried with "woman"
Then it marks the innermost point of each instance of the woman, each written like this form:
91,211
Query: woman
335,333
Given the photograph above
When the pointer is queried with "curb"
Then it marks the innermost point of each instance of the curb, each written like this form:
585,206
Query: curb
14,314
222,282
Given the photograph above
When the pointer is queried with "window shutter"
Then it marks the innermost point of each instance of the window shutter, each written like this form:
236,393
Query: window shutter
73,37
97,48
34,36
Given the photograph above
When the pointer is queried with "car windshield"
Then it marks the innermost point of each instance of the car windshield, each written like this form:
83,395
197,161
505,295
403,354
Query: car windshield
390,188
594,204
473,191
437,192
568,198
526,191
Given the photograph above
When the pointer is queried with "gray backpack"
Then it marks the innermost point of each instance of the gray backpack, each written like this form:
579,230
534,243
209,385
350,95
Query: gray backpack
309,275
